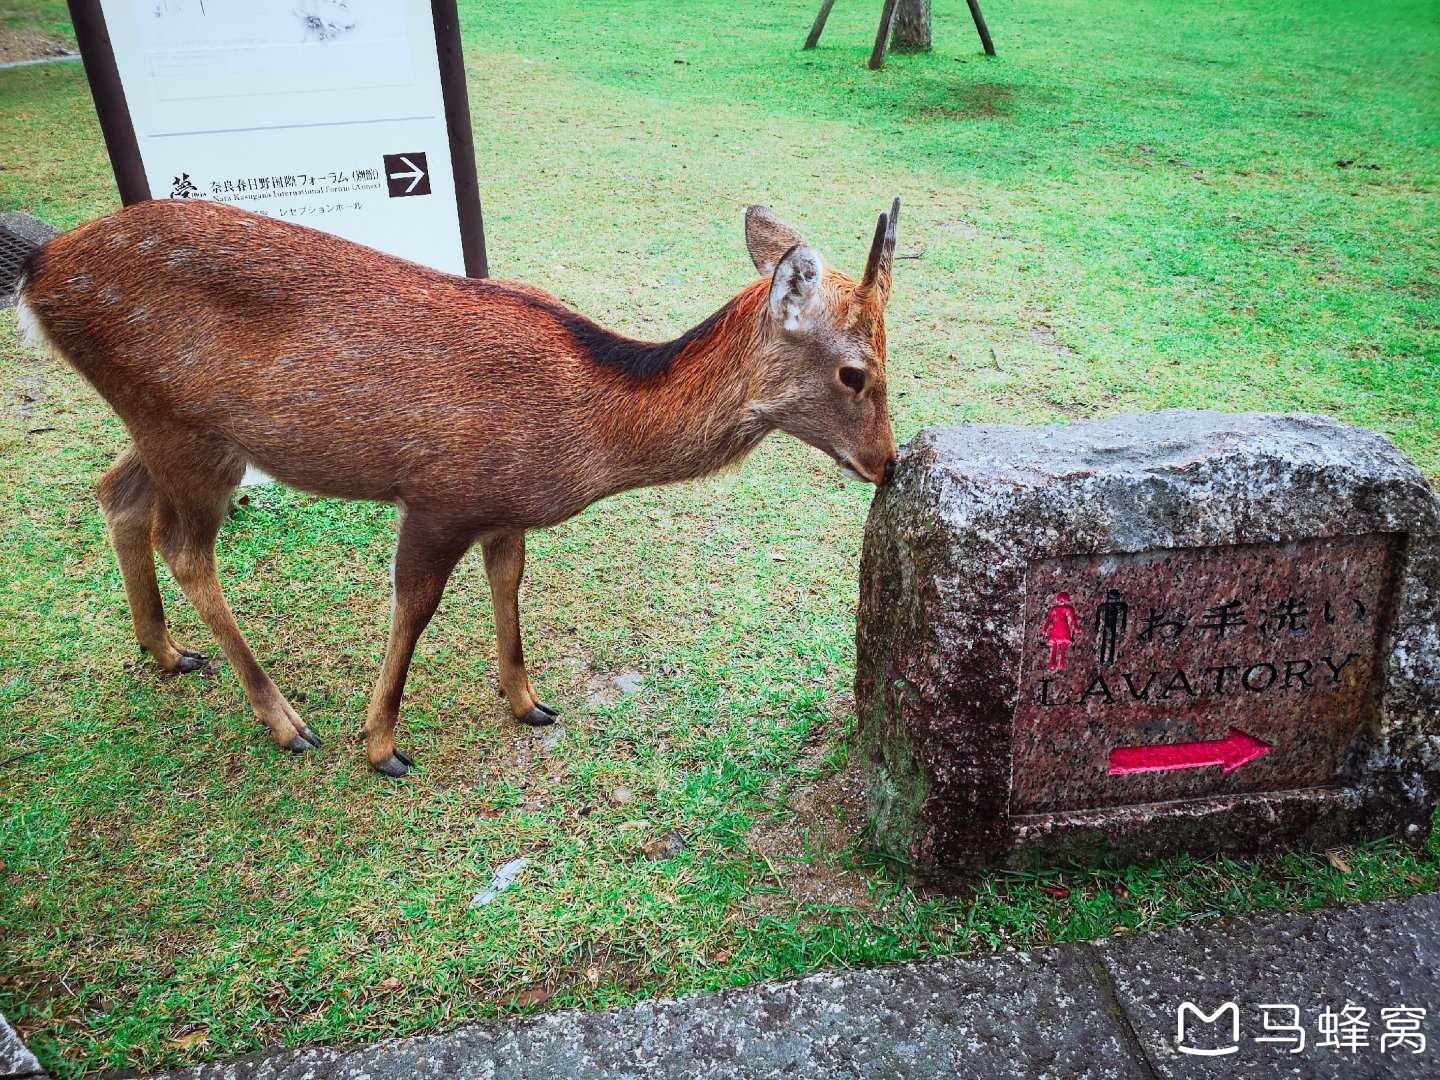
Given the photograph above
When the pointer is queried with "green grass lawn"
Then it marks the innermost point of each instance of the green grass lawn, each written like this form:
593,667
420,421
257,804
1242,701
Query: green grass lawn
1137,205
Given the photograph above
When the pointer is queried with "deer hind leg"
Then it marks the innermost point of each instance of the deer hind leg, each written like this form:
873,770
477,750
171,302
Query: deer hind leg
505,566
127,497
425,555
191,499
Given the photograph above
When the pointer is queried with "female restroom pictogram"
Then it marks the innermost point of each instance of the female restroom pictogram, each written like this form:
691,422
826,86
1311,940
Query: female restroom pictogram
1059,626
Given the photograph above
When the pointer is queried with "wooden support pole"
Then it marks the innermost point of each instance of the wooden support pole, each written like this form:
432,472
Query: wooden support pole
882,36
815,31
98,57
979,25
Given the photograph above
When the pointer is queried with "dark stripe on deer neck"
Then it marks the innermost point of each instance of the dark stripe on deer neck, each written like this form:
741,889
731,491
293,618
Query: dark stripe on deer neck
638,359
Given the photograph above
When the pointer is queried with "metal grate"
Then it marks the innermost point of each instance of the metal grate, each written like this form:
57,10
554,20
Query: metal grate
14,250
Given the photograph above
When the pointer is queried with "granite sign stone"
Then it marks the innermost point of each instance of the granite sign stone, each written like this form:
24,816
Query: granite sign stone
1179,631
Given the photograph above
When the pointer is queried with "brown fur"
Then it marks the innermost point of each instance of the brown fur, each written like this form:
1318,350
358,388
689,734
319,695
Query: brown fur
481,408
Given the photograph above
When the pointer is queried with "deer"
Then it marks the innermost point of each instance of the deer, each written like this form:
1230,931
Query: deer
479,408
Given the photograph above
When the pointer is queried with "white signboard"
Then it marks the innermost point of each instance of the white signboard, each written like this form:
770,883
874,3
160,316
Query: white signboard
327,113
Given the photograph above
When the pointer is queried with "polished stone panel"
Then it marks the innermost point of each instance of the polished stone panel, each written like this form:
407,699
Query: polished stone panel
1196,672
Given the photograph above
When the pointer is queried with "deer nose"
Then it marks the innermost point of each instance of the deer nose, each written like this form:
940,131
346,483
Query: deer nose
889,471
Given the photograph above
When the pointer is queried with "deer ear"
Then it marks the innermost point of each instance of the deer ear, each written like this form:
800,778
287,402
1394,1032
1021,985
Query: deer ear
767,238
795,288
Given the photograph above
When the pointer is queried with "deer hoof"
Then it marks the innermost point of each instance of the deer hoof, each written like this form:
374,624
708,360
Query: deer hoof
539,716
304,741
396,765
189,661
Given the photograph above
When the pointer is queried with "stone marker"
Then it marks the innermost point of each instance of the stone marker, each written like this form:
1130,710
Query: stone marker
1179,631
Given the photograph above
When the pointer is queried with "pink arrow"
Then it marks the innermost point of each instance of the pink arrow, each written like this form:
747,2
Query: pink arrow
1229,753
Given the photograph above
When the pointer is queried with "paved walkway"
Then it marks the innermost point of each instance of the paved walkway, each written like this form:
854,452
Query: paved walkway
38,60
1075,1012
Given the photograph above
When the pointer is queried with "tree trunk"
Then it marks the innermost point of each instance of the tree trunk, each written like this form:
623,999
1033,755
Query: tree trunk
912,27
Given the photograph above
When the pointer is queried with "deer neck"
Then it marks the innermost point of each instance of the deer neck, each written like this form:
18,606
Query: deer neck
702,412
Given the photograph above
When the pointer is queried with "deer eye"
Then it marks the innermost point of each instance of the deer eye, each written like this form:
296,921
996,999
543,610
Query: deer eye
853,378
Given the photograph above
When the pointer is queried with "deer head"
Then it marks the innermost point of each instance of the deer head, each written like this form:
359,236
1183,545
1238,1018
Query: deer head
825,346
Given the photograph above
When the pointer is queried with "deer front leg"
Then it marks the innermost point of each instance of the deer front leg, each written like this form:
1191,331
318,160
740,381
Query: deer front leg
425,555
505,566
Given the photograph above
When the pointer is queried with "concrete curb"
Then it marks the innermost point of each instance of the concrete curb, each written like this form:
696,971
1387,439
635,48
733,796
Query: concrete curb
15,1060
1075,1012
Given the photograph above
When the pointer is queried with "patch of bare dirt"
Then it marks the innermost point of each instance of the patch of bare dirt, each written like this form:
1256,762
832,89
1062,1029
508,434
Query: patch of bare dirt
805,845
604,688
1426,290
1043,334
530,758
28,43
963,226
595,963
975,101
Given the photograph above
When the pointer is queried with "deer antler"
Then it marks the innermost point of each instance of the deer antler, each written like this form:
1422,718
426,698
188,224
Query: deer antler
882,252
